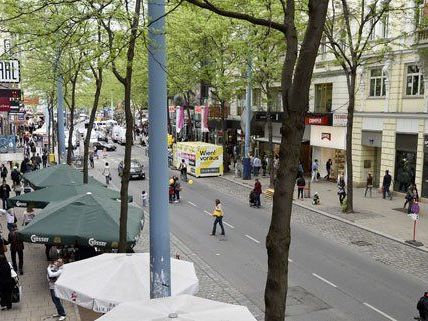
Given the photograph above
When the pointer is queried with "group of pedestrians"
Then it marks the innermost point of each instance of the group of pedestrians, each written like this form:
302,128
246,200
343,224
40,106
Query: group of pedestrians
174,190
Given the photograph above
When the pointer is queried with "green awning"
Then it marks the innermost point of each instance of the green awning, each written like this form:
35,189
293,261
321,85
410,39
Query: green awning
42,197
61,174
83,220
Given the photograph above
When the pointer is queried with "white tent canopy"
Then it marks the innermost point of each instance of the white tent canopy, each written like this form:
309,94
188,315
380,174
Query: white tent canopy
102,282
178,308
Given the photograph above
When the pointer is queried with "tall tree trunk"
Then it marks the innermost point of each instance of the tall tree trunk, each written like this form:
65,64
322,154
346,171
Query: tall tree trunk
49,125
71,123
98,75
226,159
53,129
127,83
270,138
351,79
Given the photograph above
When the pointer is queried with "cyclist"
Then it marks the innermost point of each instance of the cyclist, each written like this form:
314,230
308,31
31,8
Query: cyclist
423,307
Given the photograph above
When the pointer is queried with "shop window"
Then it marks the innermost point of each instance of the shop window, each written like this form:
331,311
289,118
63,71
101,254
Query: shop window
415,81
323,98
377,83
405,163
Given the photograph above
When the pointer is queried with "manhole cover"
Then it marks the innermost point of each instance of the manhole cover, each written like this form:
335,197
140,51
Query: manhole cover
361,243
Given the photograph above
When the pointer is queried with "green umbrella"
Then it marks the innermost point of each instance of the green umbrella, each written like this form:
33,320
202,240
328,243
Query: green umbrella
61,174
42,197
85,219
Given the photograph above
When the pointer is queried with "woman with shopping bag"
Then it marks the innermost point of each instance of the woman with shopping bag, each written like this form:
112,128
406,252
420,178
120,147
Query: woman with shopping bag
218,214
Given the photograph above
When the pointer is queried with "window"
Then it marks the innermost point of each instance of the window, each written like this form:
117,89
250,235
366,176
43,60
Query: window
415,81
385,25
323,98
377,83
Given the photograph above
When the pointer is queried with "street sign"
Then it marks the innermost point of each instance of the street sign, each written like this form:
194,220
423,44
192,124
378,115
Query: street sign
9,71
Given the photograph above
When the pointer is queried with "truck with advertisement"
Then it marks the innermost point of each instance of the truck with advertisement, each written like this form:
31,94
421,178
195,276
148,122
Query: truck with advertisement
202,159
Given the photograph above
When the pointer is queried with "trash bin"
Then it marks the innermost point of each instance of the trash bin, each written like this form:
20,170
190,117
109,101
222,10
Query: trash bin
51,158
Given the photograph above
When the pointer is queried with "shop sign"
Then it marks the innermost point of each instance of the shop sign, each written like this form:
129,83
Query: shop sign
340,120
319,120
326,136
9,71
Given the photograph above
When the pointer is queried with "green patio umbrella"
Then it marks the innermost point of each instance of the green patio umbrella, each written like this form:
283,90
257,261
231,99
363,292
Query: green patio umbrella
85,219
42,197
61,174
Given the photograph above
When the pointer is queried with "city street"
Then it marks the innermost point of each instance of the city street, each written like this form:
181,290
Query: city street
327,280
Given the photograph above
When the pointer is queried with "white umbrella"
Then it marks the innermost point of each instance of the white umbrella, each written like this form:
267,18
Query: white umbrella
101,282
178,308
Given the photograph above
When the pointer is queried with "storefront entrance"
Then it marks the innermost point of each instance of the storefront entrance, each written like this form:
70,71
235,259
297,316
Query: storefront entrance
405,161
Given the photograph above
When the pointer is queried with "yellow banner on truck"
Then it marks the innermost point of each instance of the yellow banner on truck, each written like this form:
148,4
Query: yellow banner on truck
202,159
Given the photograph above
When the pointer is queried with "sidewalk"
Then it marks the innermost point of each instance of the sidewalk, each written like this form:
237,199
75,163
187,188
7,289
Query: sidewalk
36,303
381,216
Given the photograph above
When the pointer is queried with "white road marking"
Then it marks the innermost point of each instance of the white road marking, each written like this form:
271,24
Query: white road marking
324,280
227,224
206,212
380,312
290,260
252,238
193,204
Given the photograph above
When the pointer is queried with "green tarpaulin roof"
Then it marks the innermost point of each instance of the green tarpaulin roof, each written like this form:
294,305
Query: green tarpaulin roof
61,174
42,197
86,219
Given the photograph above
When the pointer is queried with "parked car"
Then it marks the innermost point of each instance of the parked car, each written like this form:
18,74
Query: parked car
136,169
102,145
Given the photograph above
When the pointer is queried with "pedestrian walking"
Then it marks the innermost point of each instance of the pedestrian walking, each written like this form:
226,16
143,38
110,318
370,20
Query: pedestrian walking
264,165
257,193
3,172
410,197
328,166
16,247
341,189
369,185
386,184
10,218
422,307
315,173
177,189
45,159
144,199
37,161
5,193
6,284
54,272
300,170
91,159
17,188
15,175
218,214
257,164
29,215
106,173
300,186
183,170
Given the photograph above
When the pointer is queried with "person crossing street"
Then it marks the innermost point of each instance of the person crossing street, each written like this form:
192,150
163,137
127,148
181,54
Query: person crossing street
218,214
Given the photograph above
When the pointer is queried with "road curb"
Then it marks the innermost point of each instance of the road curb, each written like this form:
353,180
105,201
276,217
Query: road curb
385,235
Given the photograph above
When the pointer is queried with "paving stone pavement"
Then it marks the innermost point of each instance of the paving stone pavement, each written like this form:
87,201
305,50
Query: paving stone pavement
392,253
36,304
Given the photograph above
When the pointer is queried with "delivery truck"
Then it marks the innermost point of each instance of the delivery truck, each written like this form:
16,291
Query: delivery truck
202,159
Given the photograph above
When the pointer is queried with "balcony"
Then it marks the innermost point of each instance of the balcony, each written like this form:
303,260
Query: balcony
422,38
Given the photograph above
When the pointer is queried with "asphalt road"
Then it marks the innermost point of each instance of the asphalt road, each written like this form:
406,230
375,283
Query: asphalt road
327,281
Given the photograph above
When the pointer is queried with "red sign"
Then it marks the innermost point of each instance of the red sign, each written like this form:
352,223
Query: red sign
4,103
320,120
198,109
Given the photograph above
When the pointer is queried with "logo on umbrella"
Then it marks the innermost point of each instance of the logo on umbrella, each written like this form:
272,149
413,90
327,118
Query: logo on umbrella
94,242
35,238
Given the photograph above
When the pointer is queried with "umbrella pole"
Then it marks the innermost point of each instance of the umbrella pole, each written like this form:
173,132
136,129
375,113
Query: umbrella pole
160,259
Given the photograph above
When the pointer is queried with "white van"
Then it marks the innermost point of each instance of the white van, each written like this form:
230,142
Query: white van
116,133
121,138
